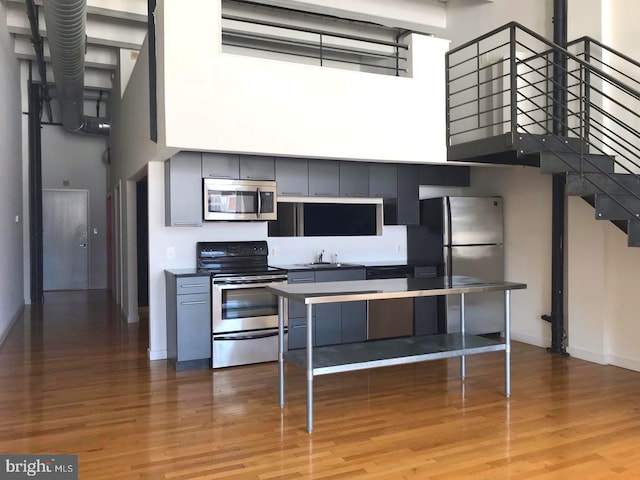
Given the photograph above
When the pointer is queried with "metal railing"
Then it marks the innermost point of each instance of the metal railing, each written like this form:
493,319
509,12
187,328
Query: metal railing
501,84
327,48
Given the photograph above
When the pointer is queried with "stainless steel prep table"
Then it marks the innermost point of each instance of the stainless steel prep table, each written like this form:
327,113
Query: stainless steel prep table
397,351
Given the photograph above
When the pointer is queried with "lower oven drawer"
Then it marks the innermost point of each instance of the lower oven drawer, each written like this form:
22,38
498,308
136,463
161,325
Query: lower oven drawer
246,348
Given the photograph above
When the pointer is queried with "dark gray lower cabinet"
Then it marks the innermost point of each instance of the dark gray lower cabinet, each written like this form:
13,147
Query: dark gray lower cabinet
297,320
328,324
354,322
333,323
425,315
188,321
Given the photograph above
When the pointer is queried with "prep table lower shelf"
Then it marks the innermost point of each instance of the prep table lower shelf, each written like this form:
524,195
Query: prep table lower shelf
380,353
396,351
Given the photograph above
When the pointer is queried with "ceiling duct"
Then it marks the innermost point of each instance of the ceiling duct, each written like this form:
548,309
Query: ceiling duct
66,26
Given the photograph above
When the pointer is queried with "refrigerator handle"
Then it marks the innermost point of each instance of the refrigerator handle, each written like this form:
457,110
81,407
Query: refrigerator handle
447,237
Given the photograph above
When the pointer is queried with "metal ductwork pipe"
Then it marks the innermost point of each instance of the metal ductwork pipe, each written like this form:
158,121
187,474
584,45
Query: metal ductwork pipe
66,26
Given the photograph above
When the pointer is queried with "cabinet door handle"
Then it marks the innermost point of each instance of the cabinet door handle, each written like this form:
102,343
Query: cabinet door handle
187,224
219,176
355,195
202,302
291,193
299,280
194,285
321,194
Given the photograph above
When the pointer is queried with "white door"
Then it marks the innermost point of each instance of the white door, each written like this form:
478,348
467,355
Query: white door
65,222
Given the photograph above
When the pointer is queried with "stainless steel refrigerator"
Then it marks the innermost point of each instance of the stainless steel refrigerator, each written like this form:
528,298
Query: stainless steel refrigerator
471,230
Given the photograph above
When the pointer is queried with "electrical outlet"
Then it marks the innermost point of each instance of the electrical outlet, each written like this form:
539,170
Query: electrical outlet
397,247
171,253
275,251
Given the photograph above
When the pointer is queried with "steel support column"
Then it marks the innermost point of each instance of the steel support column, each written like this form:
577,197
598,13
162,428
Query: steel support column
558,193
35,194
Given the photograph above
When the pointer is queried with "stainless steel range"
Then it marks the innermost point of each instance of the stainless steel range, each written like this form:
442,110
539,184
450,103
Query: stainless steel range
244,314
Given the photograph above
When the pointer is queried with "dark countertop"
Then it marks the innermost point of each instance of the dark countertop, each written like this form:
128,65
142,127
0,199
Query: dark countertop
185,272
370,263
300,267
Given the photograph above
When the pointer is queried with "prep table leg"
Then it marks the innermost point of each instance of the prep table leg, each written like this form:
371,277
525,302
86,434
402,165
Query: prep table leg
463,361
309,368
507,342
282,304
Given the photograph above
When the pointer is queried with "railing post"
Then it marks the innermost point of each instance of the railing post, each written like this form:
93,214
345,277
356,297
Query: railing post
587,92
397,55
478,81
513,83
447,107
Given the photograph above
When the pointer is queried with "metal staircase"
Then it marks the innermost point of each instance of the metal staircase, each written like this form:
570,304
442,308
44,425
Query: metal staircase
500,109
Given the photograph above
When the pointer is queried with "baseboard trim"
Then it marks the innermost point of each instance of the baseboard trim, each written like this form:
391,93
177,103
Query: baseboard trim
530,339
588,356
622,362
156,354
11,324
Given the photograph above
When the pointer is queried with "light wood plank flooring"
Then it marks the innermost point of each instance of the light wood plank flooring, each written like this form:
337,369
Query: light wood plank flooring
75,379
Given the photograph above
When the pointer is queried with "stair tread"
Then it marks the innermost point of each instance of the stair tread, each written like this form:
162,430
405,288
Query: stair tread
568,162
633,233
617,207
591,183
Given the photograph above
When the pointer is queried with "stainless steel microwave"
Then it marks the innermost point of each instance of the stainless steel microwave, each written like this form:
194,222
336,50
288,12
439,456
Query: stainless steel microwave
239,199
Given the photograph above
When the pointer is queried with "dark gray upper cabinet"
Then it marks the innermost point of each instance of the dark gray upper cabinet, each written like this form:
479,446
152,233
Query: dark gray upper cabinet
183,190
383,180
354,179
220,165
408,199
458,176
255,167
445,175
292,176
324,178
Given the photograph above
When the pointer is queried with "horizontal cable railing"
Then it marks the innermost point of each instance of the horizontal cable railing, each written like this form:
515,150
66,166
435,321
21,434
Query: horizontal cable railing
325,47
502,83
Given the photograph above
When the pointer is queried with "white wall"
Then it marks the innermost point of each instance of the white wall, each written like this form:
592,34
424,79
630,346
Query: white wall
417,15
72,161
11,235
277,108
467,20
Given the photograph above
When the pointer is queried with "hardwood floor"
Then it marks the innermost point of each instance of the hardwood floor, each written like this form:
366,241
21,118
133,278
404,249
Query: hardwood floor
75,379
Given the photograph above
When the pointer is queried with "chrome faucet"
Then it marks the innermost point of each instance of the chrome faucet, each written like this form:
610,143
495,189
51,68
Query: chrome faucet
320,255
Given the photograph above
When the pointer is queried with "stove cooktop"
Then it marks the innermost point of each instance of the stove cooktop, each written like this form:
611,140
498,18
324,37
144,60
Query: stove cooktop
234,259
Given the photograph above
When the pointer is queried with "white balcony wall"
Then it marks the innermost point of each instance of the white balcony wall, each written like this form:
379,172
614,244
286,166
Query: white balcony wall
223,102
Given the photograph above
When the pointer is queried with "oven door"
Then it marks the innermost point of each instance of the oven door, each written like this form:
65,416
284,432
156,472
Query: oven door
241,304
239,200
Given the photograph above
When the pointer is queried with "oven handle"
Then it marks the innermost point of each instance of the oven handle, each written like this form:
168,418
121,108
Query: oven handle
235,286
248,337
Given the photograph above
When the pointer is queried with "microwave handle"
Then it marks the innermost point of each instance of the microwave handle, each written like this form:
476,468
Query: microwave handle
259,203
